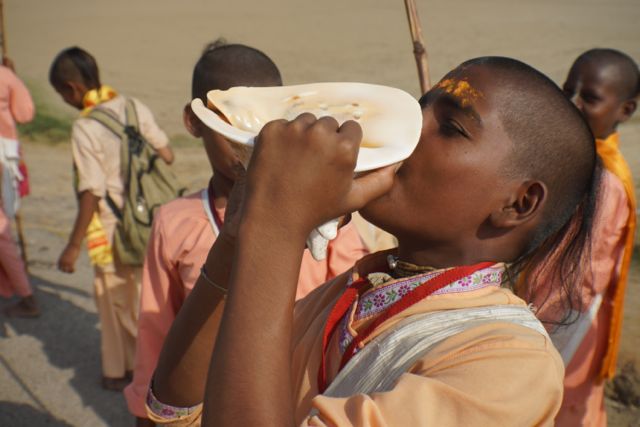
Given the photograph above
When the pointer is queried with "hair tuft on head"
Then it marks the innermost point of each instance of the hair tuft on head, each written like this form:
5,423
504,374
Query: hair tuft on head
74,64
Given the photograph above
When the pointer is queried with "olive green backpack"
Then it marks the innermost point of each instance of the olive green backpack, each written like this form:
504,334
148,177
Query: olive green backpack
148,183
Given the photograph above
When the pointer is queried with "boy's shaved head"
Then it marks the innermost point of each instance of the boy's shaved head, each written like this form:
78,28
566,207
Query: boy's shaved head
74,65
625,71
223,66
505,169
552,142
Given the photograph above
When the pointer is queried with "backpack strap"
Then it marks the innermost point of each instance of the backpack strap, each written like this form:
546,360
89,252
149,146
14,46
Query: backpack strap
119,129
108,120
135,139
131,114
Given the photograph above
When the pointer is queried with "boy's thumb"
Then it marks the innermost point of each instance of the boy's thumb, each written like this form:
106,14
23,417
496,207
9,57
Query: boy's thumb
370,186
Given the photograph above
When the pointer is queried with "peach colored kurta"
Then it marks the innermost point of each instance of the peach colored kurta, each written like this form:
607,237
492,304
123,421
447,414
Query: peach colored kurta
96,156
15,103
499,373
15,106
181,238
583,402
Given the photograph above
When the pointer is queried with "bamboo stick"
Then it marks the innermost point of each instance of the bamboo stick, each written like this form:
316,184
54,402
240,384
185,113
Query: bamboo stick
21,241
419,50
3,31
18,217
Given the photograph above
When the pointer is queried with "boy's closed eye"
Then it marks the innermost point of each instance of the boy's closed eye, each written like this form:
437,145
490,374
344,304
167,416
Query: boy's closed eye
455,120
450,128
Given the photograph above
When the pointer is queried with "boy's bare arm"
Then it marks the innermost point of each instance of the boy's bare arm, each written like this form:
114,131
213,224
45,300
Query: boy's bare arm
249,381
181,373
166,154
87,206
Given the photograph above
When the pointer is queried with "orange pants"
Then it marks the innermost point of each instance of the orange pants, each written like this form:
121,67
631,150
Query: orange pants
117,294
13,277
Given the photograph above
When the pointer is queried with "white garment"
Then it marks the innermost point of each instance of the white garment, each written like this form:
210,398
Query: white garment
11,176
379,365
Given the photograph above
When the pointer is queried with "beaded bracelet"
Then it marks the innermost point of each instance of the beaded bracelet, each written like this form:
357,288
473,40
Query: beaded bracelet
212,283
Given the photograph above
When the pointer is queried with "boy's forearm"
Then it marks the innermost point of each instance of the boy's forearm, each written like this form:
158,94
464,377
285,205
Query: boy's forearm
87,206
180,375
251,364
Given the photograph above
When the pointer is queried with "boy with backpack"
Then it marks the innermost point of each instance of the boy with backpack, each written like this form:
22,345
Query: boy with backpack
114,143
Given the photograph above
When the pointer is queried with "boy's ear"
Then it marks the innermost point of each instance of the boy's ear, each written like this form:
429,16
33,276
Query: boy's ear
525,205
627,110
191,122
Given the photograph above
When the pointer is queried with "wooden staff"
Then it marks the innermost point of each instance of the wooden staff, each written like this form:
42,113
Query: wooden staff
419,49
21,241
18,217
3,30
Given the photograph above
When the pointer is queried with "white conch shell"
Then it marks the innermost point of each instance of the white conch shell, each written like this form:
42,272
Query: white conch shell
390,118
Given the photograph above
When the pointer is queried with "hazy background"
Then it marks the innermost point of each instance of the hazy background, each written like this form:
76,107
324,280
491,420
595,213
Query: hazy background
148,48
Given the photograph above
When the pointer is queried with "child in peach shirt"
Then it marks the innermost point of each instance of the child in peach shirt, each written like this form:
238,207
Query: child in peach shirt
605,85
15,106
185,229
96,154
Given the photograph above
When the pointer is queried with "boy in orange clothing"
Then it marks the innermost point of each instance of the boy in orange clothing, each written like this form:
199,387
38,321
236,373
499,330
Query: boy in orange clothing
505,164
604,84
184,230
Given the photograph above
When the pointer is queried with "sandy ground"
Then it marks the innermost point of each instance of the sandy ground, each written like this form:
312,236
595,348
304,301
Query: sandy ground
49,368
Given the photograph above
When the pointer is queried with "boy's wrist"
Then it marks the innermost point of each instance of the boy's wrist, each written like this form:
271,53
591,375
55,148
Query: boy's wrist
279,223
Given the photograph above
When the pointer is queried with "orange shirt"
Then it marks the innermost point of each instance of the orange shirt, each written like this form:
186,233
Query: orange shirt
612,243
495,374
609,151
180,241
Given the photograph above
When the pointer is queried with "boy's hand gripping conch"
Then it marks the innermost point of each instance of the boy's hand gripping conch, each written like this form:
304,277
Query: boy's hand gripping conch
302,174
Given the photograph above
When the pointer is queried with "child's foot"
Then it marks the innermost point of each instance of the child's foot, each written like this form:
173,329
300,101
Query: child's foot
114,384
26,307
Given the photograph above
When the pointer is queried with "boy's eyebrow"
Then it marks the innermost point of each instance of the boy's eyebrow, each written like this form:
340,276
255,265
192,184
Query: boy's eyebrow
464,107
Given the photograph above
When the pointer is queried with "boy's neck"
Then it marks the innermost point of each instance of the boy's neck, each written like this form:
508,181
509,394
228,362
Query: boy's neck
608,133
221,189
444,256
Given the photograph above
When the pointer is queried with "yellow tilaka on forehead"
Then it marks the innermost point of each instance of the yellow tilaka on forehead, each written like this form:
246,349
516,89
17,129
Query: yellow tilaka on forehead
460,89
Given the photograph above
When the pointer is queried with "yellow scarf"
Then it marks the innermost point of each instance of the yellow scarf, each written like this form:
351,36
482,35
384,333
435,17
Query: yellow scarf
100,253
616,164
97,96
